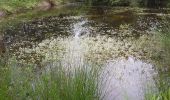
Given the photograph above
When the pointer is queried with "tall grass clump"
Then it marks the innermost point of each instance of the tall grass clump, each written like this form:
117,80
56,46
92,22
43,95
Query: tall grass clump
159,96
55,83
4,80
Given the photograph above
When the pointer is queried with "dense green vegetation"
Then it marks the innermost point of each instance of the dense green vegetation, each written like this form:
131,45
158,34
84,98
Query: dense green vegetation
24,82
13,6
162,95
163,92
146,3
20,5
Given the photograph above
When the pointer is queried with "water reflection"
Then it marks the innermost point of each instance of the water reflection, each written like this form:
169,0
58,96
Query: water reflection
127,79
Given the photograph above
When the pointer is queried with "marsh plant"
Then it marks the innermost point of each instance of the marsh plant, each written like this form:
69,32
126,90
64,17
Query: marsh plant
24,82
96,49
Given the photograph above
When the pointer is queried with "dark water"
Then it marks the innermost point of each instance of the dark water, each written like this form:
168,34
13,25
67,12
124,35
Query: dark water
100,21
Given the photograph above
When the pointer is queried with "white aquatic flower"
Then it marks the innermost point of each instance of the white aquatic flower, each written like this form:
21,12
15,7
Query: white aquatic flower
99,48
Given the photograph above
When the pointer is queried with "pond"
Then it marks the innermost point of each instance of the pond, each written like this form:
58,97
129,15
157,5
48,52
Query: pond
122,40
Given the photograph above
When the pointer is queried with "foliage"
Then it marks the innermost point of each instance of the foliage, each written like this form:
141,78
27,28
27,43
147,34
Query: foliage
148,3
24,82
160,96
163,92
12,5
19,5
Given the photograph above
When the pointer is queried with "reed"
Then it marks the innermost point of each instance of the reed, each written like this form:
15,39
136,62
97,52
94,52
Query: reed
56,83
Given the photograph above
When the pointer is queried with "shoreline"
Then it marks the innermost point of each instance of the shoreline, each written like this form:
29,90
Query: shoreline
43,5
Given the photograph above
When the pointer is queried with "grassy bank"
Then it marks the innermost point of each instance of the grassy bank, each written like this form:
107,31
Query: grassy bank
24,82
14,6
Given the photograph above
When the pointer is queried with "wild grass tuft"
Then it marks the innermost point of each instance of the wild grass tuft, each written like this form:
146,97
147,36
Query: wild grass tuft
24,82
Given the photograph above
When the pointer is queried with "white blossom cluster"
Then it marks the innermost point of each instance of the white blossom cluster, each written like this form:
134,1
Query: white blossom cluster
97,49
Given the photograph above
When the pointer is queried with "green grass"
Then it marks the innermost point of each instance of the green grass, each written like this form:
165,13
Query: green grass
25,83
163,89
14,6
160,96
